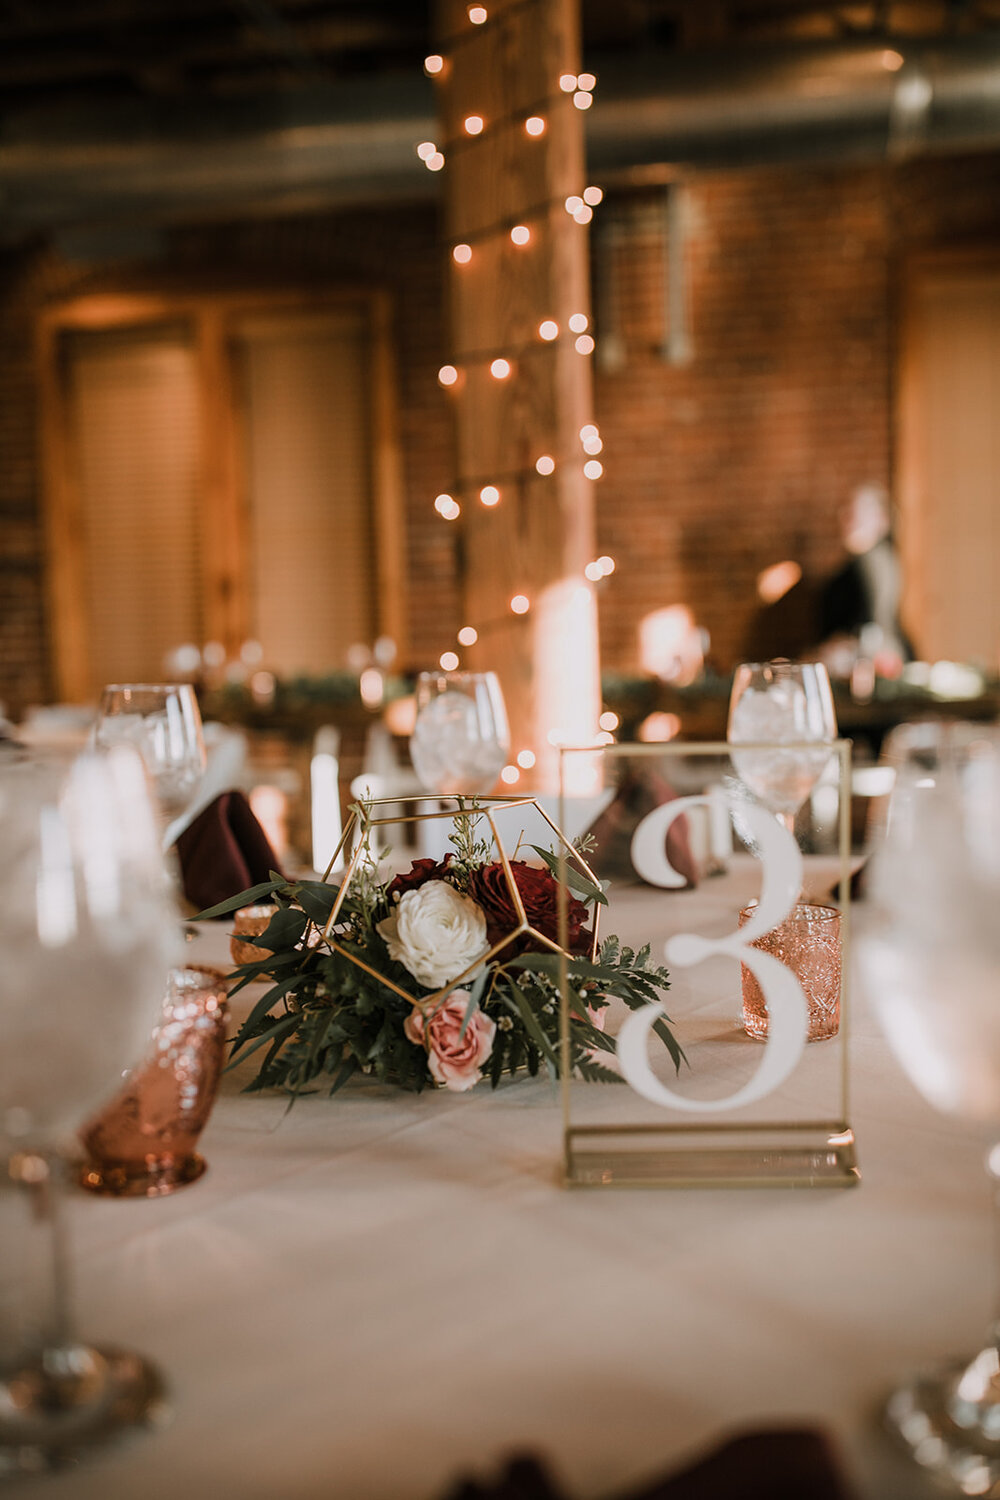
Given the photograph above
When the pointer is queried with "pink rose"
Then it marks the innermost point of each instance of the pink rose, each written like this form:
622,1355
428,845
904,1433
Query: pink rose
453,1062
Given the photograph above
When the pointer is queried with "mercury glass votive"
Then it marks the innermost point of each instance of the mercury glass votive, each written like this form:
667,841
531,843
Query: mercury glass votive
808,943
143,1143
249,921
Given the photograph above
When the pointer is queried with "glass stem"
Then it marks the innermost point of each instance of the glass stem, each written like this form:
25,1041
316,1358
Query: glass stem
40,1176
787,821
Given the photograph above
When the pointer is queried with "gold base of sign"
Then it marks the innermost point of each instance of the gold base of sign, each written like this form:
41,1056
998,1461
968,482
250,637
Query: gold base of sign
808,1155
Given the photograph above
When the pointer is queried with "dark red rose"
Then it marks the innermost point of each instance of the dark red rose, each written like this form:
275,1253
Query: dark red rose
539,893
418,874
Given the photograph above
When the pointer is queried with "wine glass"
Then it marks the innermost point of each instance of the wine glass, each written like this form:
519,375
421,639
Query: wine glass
86,939
163,721
775,704
928,958
460,739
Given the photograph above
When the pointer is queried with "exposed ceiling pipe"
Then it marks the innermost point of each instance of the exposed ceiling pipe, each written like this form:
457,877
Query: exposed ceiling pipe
354,142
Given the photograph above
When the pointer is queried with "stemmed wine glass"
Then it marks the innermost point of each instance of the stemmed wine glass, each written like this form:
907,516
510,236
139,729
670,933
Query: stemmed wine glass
928,957
781,708
460,739
87,938
162,720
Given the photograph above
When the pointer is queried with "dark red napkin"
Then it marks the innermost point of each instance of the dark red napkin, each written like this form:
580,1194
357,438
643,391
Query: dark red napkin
794,1464
641,791
224,851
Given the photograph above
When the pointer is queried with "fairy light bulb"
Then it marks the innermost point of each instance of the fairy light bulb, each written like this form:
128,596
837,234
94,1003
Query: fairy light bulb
433,64
447,375
593,572
586,81
608,721
526,759
520,234
477,14
584,344
568,82
607,565
583,214
589,431
535,125
520,604
468,635
436,162
545,464
462,254
593,468
582,99
573,203
447,507
593,196
548,330
592,445
448,661
489,494
579,323
500,369
509,775
473,124
426,149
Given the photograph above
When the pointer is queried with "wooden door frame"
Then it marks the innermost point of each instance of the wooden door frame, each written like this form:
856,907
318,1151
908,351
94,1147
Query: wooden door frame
224,503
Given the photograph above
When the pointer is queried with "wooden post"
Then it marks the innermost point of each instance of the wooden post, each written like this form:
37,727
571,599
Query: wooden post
539,538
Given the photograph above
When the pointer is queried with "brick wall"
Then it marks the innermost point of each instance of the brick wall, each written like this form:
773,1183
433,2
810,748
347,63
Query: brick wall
713,469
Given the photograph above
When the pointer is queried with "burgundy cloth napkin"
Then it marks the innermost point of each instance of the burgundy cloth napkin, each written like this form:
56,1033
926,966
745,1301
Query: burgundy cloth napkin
224,851
793,1464
639,793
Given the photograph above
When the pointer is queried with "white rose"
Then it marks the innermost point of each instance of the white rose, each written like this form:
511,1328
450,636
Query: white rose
435,932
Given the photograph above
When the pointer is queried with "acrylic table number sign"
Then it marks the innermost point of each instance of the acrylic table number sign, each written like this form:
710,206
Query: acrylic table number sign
754,942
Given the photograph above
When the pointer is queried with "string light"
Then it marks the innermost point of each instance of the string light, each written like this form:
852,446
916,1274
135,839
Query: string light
462,254
468,635
608,720
433,64
601,567
590,431
448,661
510,774
592,445
573,203
520,234
426,149
579,323
434,163
582,99
585,344
477,14
535,125
500,369
548,330
568,82
489,494
545,464
593,572
447,375
474,124
583,214
447,507
586,81
593,196
526,759
593,468
520,604
607,564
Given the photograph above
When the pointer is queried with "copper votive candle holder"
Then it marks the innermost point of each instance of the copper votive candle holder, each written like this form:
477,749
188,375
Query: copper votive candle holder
249,921
142,1145
807,941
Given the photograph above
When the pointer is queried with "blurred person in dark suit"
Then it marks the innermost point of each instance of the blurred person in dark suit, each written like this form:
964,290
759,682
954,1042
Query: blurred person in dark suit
859,604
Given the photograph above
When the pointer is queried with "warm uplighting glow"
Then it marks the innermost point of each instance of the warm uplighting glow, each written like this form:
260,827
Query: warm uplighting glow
447,507
520,234
468,635
891,60
500,369
535,125
371,686
573,203
447,375
586,81
774,582
579,323
568,82
433,64
609,720
510,774
526,759
520,604
324,790
474,124
489,494
462,254
658,728
477,14
671,645
567,685
436,162
592,445
545,464
593,196
448,661
585,344
262,686
400,716
583,100
548,330
270,807
426,149
213,654
593,468
584,214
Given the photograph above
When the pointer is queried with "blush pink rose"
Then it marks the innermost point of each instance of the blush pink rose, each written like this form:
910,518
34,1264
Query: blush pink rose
455,1061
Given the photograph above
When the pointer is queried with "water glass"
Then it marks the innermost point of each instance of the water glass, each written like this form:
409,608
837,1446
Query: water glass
461,740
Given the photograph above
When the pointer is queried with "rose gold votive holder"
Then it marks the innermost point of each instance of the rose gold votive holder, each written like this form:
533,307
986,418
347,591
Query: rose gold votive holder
249,921
142,1145
808,943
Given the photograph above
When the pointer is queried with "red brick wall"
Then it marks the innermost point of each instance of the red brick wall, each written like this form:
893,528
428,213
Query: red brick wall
713,469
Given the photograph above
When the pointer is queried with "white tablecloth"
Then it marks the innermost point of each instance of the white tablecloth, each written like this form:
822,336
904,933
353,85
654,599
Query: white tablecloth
367,1296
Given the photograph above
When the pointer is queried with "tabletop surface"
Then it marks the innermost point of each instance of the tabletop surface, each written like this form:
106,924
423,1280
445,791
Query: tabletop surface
371,1295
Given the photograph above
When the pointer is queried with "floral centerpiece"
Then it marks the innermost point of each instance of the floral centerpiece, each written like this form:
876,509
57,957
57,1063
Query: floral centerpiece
441,974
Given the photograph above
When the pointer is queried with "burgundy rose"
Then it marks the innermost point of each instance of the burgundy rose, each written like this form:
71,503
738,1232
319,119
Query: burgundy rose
417,875
539,893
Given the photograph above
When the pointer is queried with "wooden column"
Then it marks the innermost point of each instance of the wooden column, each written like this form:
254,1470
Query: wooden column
539,538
